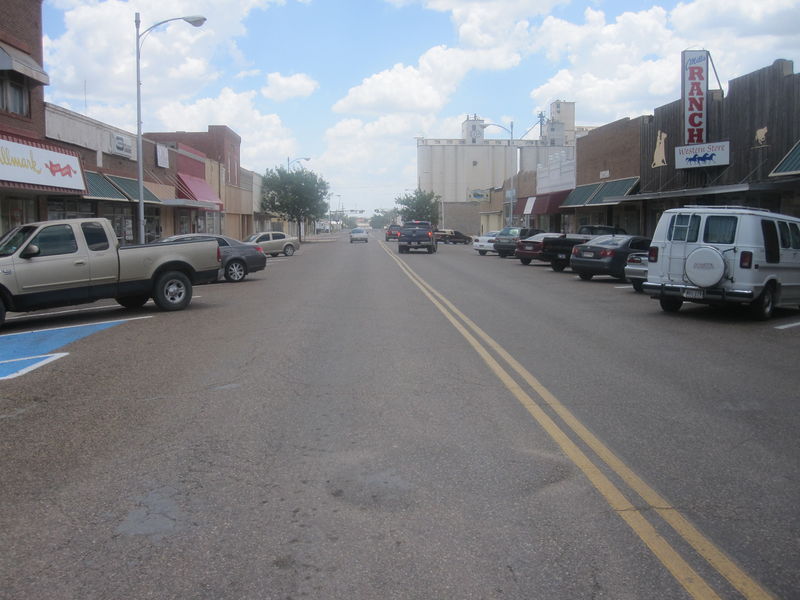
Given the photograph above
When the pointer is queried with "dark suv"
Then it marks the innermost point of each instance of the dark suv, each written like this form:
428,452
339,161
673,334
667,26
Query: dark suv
505,242
393,232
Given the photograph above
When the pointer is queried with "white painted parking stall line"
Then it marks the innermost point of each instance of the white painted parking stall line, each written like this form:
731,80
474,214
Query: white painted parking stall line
788,325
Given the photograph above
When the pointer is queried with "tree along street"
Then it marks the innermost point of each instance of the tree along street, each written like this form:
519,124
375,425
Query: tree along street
342,425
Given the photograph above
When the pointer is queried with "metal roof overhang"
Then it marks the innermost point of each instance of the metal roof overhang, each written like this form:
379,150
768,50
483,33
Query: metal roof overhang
548,204
580,195
789,164
130,187
708,191
612,191
189,203
100,188
12,59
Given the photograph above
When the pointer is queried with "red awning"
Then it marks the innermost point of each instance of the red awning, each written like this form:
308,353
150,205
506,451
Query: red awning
547,204
198,189
519,207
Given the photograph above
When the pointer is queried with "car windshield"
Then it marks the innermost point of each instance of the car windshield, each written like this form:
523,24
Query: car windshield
512,231
357,230
253,237
13,239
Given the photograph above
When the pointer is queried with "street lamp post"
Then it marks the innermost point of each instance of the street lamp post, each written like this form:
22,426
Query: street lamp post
510,142
194,21
289,163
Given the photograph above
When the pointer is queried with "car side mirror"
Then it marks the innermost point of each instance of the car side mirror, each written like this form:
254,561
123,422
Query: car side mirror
31,251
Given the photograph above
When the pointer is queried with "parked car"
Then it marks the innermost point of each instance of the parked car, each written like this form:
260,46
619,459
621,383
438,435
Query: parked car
393,232
558,249
636,270
605,255
77,261
530,248
452,236
484,243
359,234
275,242
725,255
238,258
505,242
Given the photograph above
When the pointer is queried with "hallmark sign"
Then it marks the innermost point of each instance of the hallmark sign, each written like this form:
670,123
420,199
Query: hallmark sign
714,154
21,163
694,87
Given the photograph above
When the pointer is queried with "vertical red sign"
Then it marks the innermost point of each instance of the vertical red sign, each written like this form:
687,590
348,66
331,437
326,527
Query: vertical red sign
695,96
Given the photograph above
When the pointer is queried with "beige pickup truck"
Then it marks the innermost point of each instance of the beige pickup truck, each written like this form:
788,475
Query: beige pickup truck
75,261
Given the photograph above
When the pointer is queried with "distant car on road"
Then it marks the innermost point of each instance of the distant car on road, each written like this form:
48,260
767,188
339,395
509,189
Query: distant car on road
359,234
275,242
238,258
484,243
393,232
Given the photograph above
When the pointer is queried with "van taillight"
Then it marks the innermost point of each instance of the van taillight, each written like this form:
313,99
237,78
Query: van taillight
652,255
746,260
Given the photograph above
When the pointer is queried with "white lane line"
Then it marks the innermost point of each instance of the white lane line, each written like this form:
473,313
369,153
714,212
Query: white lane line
788,325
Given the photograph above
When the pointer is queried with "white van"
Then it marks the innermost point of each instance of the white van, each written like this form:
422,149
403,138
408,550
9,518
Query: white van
725,254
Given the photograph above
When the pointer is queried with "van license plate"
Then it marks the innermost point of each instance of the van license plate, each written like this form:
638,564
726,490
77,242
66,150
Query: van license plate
693,294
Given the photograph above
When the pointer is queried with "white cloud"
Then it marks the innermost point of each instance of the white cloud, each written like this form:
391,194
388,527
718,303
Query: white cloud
265,140
280,87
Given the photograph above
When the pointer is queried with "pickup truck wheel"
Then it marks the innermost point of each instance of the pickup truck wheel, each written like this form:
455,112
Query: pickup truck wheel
559,265
525,261
172,291
133,301
637,285
585,276
670,304
431,249
235,271
482,252
289,250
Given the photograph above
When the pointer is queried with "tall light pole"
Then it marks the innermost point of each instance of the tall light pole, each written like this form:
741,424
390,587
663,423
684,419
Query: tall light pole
289,163
510,141
194,21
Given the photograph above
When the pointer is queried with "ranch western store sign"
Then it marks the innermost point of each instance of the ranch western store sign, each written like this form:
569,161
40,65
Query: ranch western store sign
701,152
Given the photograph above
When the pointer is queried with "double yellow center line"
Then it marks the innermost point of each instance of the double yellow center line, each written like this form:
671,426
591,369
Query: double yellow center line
694,584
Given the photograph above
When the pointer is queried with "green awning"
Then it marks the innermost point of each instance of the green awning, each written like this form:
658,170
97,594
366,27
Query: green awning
100,188
580,195
790,164
612,190
130,187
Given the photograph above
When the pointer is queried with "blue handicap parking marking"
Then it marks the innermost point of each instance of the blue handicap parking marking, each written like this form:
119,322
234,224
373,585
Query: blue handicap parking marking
23,352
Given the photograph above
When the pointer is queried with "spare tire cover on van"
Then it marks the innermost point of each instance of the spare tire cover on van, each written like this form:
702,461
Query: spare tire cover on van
705,266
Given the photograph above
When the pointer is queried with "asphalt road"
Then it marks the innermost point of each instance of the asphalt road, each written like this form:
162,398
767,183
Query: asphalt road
351,423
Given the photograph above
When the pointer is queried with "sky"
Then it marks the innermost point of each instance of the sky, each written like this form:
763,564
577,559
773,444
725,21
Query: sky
351,84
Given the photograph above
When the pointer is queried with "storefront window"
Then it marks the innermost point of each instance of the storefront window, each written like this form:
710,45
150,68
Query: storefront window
121,216
69,209
17,211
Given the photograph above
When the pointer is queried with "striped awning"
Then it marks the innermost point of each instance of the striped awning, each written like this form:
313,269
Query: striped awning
100,188
130,187
612,192
790,164
580,195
